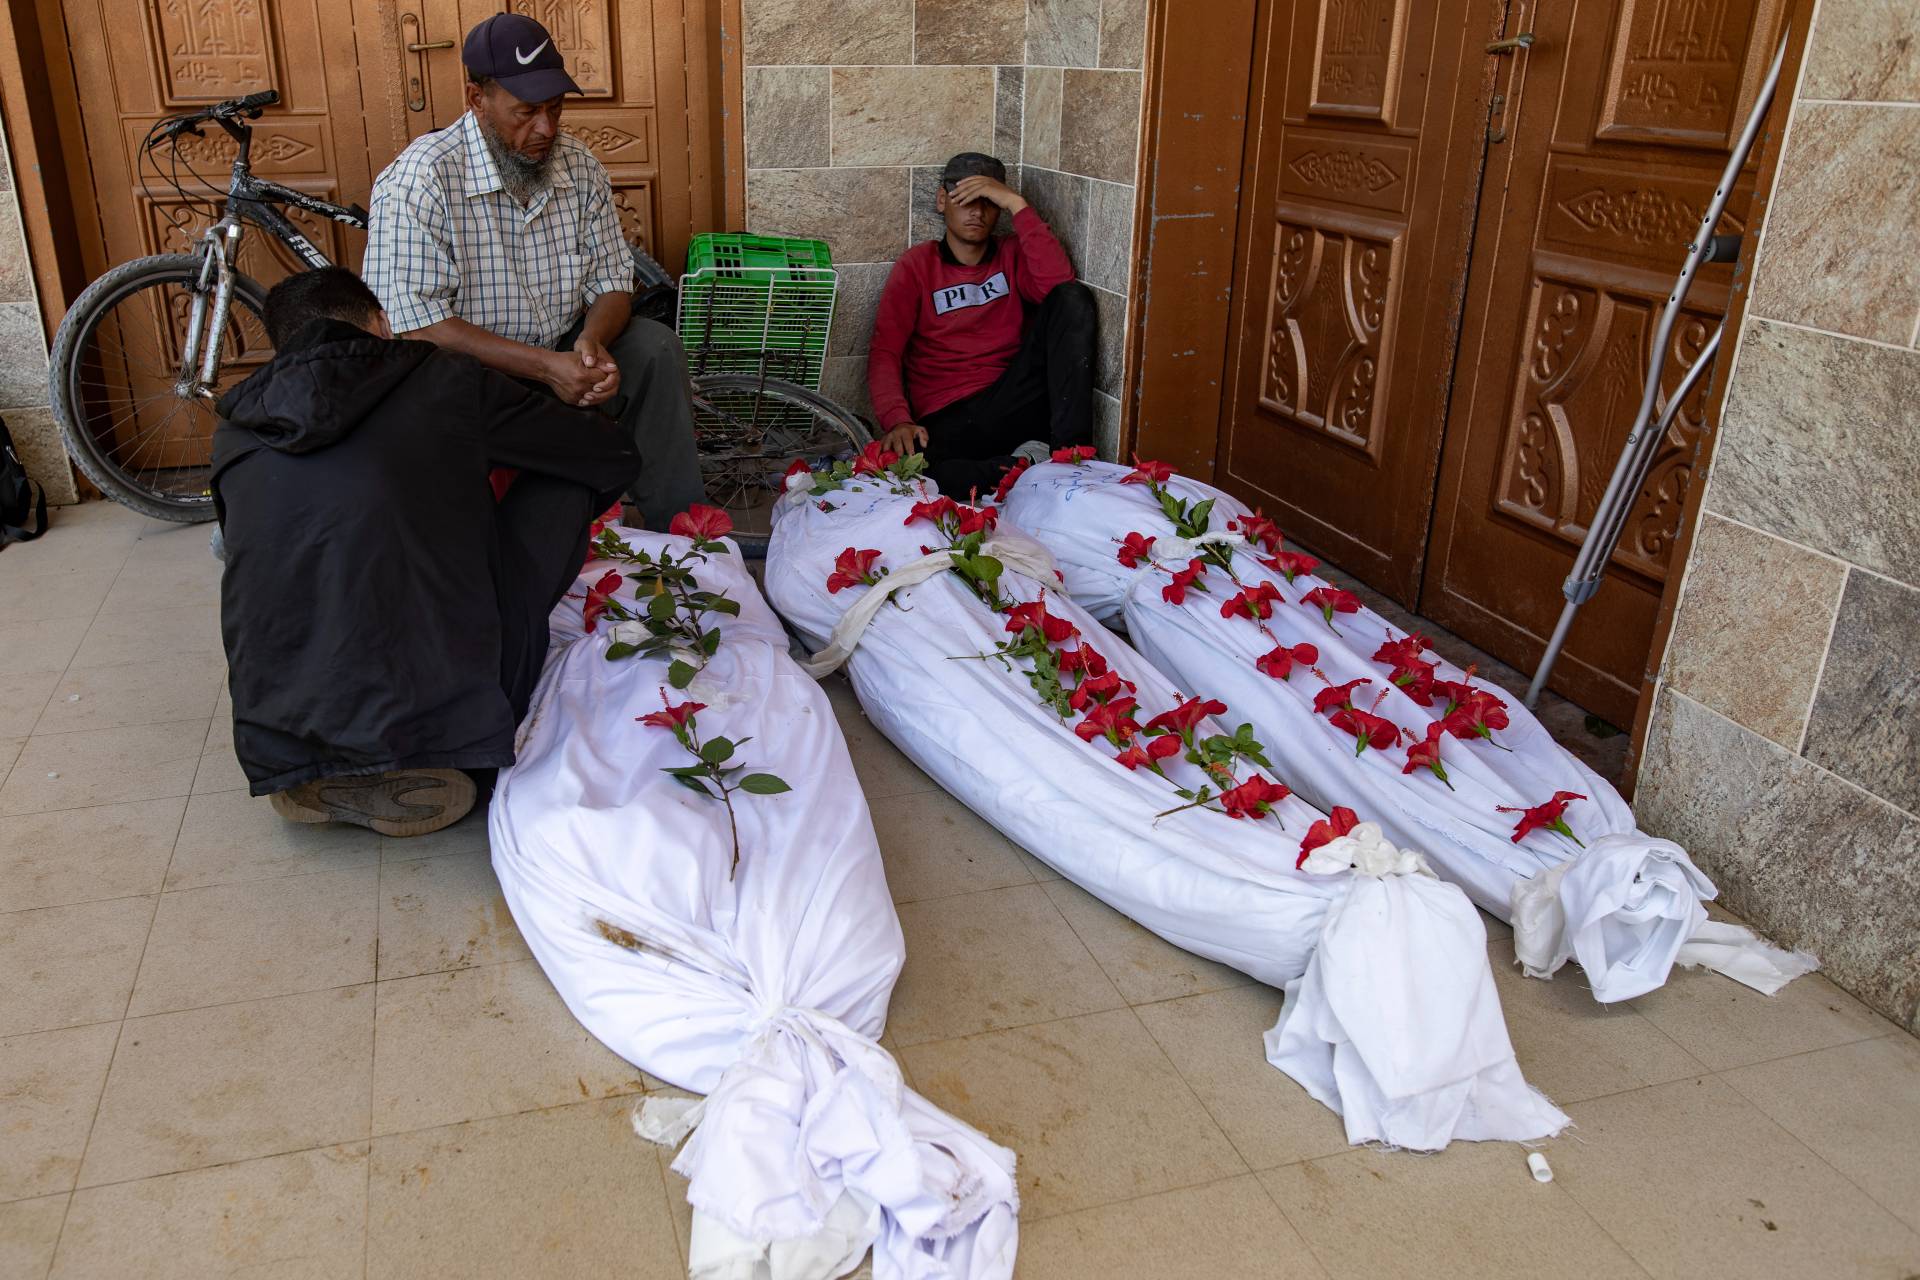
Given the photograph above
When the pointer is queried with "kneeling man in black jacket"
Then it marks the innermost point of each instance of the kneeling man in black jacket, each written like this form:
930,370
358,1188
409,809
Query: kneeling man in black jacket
384,618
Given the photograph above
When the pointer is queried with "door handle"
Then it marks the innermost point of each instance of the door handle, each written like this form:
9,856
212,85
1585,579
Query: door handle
1512,44
431,44
411,39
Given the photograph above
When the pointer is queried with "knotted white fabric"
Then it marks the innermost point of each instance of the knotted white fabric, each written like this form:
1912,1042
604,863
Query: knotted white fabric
766,992
1624,913
1223,888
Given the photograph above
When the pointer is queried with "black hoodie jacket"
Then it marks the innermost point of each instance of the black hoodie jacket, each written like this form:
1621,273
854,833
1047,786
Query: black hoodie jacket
359,601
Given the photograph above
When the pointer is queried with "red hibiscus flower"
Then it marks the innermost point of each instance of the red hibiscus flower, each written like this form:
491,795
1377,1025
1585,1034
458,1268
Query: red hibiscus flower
599,596
1258,529
1150,755
1477,716
1544,817
1175,592
1074,456
1252,602
1331,600
852,569
1134,549
934,511
1147,473
1082,658
1280,663
1403,652
1186,717
674,718
1113,720
1368,729
1254,798
873,460
1289,563
1416,681
702,523
1338,823
1010,477
612,515
1034,614
976,519
1425,754
1097,689
1337,695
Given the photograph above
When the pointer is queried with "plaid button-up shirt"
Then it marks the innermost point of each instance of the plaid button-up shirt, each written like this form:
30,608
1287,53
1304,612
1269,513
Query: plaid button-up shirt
445,239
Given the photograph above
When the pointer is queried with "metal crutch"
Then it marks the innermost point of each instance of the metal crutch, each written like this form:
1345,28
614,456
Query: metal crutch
1623,490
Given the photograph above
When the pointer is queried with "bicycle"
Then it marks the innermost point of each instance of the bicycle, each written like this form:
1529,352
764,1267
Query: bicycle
146,351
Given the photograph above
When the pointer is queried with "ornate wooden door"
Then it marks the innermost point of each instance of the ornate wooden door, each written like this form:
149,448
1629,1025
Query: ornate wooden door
1363,156
1622,116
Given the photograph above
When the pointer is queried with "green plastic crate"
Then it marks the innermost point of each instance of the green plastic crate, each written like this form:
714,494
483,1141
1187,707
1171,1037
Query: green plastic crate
733,249
757,304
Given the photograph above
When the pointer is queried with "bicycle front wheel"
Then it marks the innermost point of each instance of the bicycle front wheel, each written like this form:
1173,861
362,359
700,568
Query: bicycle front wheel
132,418
750,430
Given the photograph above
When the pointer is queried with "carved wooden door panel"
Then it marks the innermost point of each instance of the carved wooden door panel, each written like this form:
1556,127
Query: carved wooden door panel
1623,115
1362,160
629,57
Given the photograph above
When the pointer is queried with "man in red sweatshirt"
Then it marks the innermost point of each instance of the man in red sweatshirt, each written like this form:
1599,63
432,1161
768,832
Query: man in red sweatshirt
983,347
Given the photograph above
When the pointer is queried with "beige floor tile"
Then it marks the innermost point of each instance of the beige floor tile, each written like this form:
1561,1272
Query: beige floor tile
1693,1180
83,855
191,580
28,1231
219,768
469,835
160,543
1041,871
584,1192
1001,958
136,635
884,772
935,847
258,939
444,913
678,1209
1496,927
297,1215
208,1086
39,594
1093,1108
9,752
52,642
1143,965
49,1086
1214,1041
67,966
1857,1106
1226,1229
484,1042
183,687
1724,1024
1471,1210
103,766
230,836
22,695
1570,1046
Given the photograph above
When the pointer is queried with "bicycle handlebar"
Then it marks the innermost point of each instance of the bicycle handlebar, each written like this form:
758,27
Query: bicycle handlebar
221,113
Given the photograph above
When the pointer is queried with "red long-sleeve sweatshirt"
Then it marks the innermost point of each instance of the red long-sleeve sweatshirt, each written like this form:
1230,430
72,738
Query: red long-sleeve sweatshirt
945,331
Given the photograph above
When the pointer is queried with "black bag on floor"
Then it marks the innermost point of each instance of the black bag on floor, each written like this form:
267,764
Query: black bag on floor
19,496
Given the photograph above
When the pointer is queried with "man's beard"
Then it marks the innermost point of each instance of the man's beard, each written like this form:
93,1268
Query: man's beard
523,176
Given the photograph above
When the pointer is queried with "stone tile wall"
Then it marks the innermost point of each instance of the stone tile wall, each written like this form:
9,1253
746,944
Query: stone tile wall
1784,749
23,352
851,107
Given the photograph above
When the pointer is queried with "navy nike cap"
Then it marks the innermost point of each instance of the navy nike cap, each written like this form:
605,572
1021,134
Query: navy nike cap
519,53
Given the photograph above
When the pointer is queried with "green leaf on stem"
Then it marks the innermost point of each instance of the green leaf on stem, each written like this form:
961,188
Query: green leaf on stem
763,784
680,675
716,750
621,649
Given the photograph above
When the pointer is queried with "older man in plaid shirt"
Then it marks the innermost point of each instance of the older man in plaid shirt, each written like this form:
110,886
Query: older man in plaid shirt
498,237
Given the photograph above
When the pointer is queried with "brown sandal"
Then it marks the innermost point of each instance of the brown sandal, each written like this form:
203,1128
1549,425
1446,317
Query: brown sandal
406,802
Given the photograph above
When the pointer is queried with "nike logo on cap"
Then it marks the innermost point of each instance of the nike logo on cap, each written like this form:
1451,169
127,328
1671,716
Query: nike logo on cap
525,58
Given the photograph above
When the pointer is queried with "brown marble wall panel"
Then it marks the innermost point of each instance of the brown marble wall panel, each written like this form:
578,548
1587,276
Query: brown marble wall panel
16,268
42,452
910,115
23,355
784,32
1110,356
1100,123
1063,33
1009,111
1864,50
843,379
1106,425
1106,256
1064,200
854,307
1752,627
1819,442
861,213
786,121
1040,130
1811,861
1123,33
1866,717
1839,252
969,31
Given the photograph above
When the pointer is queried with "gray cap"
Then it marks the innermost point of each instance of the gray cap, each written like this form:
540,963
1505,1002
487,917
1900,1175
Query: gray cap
969,163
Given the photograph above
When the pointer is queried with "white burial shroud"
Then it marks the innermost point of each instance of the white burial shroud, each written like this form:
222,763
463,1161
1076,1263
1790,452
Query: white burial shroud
766,993
1627,907
1391,1015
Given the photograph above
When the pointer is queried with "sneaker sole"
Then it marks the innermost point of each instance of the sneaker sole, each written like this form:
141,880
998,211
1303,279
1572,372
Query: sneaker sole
409,802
